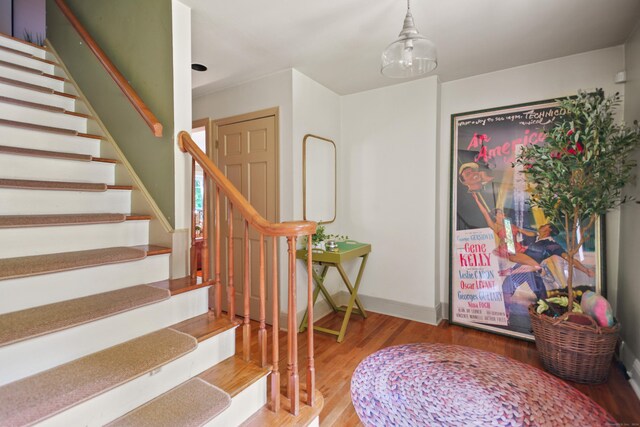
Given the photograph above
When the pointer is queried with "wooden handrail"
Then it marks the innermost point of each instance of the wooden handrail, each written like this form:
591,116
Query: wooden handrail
239,202
236,203
112,70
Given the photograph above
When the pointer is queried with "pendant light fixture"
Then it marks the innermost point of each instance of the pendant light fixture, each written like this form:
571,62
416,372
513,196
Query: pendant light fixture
411,55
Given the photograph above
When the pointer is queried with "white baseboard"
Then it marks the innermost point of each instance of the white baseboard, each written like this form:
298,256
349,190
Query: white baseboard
403,310
445,310
632,365
419,313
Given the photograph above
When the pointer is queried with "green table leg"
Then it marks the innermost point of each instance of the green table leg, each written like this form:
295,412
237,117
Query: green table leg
354,296
319,281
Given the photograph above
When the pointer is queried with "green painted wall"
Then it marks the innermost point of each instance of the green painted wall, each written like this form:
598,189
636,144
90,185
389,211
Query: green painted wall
136,36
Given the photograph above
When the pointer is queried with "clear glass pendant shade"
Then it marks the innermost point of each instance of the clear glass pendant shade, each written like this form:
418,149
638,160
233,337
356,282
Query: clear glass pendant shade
411,55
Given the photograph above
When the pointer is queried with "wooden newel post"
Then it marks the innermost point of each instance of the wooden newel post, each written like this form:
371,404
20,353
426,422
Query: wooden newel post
293,390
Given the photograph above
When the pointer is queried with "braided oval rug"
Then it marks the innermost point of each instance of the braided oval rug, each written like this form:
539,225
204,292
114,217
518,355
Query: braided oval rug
448,385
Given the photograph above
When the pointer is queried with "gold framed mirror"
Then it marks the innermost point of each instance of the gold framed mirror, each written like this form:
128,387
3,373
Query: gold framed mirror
319,179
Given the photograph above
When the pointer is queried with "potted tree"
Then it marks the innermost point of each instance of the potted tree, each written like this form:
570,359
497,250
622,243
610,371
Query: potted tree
577,176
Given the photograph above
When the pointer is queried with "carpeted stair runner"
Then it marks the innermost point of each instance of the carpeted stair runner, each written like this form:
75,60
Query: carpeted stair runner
18,151
19,221
191,404
27,184
36,321
11,268
43,395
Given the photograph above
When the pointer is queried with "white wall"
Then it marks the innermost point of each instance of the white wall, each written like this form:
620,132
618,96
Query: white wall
274,90
388,187
181,33
629,291
316,110
304,107
543,80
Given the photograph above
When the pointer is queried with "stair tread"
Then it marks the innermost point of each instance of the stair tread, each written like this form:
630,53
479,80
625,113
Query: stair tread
28,184
10,37
183,284
27,55
44,107
33,322
5,149
233,375
30,70
34,87
191,404
204,326
45,394
11,268
15,221
48,129
153,249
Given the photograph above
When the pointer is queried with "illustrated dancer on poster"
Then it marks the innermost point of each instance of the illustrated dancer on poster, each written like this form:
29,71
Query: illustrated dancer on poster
543,248
497,225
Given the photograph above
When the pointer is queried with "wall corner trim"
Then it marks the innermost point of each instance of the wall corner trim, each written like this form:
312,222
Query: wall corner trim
632,365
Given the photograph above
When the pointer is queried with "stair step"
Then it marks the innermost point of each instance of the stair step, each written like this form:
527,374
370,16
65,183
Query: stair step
31,70
43,395
11,268
19,151
191,404
26,55
49,129
29,164
204,326
36,202
12,221
183,284
233,375
25,324
24,358
34,86
25,76
47,97
39,106
22,45
27,184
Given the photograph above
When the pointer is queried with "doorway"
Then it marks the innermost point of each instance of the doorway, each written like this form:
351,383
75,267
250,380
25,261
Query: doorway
245,148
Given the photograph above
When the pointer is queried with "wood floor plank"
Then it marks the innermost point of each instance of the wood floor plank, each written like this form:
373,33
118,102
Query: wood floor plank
335,362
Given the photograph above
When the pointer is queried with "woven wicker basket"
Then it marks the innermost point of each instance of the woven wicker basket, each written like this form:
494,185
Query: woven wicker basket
574,352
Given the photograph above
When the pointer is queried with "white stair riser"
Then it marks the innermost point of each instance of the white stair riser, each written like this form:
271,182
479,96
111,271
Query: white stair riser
33,202
120,400
32,78
243,405
17,59
30,95
22,47
49,169
26,138
27,292
27,241
19,113
25,358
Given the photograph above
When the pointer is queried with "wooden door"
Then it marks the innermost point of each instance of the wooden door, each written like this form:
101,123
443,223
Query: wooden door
247,154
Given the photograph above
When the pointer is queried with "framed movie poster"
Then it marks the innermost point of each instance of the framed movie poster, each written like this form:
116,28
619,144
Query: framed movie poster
504,253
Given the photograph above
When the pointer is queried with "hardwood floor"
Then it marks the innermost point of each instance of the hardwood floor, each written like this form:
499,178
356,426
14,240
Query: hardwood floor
336,362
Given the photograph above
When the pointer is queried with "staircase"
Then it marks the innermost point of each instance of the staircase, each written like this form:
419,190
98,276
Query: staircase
92,329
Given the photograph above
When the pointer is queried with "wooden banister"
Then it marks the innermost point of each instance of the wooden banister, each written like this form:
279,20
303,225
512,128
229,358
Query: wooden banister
128,91
237,205
248,212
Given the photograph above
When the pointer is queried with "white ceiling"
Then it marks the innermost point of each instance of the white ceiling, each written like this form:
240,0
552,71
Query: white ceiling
338,42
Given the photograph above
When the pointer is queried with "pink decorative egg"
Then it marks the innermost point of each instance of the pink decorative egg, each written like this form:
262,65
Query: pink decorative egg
597,307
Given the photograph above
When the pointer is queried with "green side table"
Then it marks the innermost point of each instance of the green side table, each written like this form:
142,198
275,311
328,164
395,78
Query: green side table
347,251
